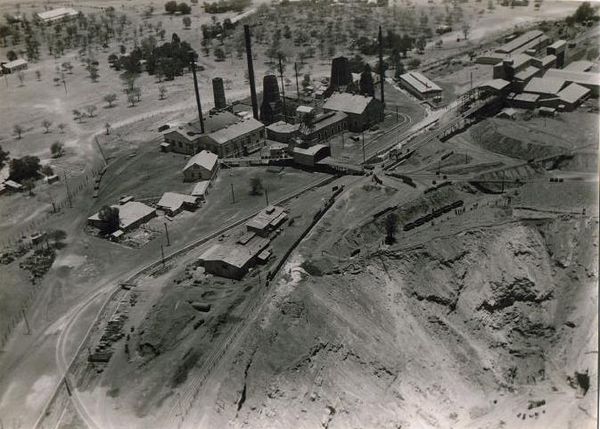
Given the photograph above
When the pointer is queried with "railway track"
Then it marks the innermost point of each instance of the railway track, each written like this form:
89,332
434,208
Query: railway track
112,289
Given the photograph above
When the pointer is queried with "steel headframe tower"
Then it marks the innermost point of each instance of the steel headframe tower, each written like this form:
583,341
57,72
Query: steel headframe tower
381,68
251,72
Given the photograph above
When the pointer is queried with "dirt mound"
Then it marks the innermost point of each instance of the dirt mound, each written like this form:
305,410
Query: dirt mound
446,334
496,138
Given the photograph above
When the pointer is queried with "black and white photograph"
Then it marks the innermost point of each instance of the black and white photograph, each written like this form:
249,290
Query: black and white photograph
299,214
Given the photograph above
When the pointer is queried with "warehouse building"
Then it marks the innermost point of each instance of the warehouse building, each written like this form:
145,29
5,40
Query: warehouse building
237,140
131,215
545,87
60,14
14,66
586,79
282,132
363,112
235,259
202,166
173,203
266,221
558,49
309,157
544,63
420,86
189,139
201,190
523,101
524,41
566,99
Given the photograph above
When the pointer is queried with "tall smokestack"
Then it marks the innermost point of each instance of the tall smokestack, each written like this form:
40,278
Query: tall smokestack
251,71
381,68
282,87
193,67
219,93
270,109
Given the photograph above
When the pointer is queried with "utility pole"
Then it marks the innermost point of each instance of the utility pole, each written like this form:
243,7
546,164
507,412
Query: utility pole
232,195
282,87
67,386
297,86
193,67
381,68
251,71
162,254
397,115
267,195
26,322
363,147
68,192
502,181
167,232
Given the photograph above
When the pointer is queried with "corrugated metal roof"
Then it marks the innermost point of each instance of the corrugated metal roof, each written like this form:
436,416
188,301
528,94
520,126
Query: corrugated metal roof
238,129
200,188
497,84
544,85
15,63
519,41
204,159
60,12
173,200
348,103
573,93
581,78
579,66
420,82
528,73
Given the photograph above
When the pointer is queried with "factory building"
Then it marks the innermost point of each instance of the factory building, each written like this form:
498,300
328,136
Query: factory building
131,215
60,14
363,112
309,157
173,203
14,66
202,166
233,260
266,221
420,86
558,49
585,79
237,140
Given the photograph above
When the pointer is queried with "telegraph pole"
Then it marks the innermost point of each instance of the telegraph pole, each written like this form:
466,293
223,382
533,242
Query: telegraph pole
267,195
162,254
363,147
232,195
167,232
26,322
282,87
381,68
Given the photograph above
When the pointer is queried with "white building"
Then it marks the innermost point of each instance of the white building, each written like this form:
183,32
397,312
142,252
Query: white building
57,15
202,166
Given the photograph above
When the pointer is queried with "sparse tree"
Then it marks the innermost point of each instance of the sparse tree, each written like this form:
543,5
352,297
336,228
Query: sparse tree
256,186
109,218
91,110
107,126
62,127
28,185
466,30
77,115
391,225
18,129
46,124
57,149
47,170
162,92
110,99
38,75
219,54
187,22
24,168
171,7
93,70
3,157
184,8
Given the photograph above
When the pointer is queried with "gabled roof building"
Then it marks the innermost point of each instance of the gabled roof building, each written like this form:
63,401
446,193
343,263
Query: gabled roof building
363,112
202,166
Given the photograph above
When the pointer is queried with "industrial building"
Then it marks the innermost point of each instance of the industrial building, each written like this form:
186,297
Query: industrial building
202,166
189,139
131,215
558,49
233,260
60,14
266,221
309,157
567,99
586,79
524,41
523,101
14,66
173,203
282,132
201,190
420,86
545,87
363,112
237,140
